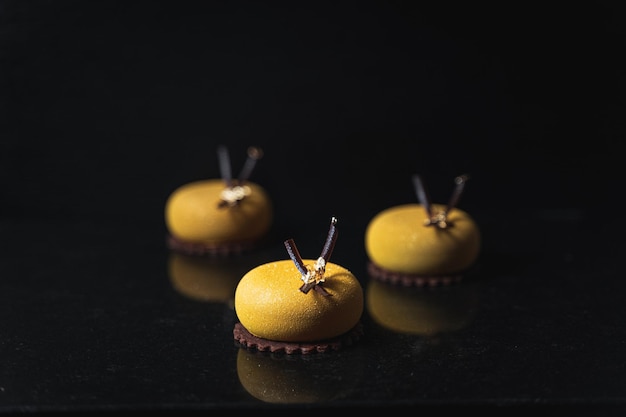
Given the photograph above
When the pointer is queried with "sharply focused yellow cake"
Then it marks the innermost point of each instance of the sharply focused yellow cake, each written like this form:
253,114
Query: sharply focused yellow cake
270,305
422,244
304,304
218,215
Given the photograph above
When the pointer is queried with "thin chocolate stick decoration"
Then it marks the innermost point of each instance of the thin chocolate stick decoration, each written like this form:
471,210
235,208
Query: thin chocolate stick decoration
422,195
234,193
254,154
292,250
313,277
224,163
330,240
458,190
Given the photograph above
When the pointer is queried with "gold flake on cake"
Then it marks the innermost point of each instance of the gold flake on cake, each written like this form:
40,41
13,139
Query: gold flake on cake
312,276
236,190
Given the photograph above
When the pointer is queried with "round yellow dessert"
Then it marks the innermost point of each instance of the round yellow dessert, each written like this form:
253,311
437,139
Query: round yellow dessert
400,239
194,213
270,304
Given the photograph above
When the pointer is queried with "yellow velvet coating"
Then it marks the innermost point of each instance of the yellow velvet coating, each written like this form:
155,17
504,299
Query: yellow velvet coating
192,214
269,303
397,240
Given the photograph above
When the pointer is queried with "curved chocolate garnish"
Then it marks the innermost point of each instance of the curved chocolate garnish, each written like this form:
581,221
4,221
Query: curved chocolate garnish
313,277
236,191
456,193
440,218
254,154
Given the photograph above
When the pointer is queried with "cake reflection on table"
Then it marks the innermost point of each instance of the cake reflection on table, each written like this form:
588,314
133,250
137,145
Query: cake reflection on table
422,311
298,379
206,279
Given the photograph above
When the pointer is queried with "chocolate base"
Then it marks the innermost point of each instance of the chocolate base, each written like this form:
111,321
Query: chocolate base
248,340
413,280
204,249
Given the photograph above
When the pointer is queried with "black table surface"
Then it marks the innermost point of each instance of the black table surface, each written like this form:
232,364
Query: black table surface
107,107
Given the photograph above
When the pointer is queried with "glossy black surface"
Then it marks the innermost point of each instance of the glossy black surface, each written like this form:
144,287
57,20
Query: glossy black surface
107,107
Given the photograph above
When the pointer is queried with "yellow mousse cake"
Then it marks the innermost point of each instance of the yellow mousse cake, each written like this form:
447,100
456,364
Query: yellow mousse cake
219,216
423,244
299,305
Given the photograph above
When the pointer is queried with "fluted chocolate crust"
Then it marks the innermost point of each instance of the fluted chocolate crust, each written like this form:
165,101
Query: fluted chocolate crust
412,280
246,339
202,249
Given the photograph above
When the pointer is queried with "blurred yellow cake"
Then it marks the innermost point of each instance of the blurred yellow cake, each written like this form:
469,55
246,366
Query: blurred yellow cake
219,216
423,244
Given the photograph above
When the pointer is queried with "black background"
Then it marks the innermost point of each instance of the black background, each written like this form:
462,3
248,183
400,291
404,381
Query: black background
106,107
110,104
